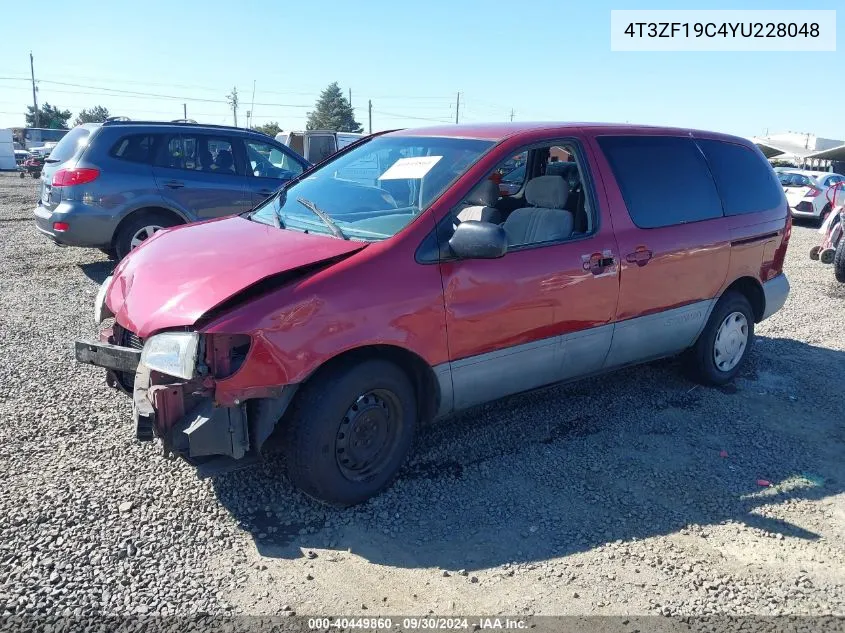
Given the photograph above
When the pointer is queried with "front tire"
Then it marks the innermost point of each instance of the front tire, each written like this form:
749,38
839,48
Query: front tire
839,261
723,346
350,431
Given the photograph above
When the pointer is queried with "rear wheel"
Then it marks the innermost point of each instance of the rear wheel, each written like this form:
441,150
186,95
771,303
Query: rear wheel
350,431
139,227
723,346
839,261
824,214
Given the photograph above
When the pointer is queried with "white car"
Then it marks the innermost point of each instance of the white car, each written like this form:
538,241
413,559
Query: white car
806,192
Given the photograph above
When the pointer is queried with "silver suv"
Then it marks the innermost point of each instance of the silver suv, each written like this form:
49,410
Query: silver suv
111,185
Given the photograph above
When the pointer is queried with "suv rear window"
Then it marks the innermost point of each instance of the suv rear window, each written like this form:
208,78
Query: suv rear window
137,148
664,179
69,143
745,180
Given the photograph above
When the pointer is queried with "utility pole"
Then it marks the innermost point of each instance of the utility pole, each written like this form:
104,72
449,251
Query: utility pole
457,108
34,98
252,108
185,111
232,98
350,96
370,110
511,114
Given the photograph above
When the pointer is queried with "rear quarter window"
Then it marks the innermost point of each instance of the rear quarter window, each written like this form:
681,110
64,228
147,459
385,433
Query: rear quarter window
135,148
664,180
744,179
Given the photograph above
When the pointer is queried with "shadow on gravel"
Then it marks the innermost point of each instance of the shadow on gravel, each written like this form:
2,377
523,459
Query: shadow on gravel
637,454
97,271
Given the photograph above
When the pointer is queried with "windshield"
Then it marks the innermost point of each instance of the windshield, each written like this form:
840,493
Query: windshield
374,191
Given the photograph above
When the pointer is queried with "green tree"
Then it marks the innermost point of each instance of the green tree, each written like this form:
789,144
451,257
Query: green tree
333,112
97,114
271,128
48,117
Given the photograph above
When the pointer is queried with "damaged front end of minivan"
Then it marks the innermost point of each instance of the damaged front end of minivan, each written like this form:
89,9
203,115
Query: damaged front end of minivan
180,394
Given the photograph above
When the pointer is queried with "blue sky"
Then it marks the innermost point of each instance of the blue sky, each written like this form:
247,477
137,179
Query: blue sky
545,60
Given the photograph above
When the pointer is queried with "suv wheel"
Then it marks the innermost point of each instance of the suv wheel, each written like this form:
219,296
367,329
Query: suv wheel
350,431
138,228
720,350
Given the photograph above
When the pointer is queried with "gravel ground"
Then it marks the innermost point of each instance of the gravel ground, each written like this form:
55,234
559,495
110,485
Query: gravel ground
633,494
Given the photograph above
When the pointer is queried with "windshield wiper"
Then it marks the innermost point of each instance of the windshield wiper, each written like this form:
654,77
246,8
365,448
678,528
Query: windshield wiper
334,228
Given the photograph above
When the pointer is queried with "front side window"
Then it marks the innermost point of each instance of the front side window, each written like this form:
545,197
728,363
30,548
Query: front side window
664,180
268,161
549,206
374,190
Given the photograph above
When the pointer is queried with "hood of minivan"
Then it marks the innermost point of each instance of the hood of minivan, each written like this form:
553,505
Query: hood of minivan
178,275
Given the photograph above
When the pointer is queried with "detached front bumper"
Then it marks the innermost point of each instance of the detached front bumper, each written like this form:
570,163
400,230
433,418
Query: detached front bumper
184,415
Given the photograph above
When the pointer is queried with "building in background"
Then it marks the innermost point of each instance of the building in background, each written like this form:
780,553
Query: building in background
804,150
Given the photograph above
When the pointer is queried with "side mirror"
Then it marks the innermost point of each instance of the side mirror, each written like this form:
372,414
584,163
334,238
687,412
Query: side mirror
479,240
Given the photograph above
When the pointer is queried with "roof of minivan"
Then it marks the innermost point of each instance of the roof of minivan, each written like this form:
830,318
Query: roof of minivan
500,131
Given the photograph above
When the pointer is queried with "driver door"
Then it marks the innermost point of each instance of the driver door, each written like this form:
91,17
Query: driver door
268,167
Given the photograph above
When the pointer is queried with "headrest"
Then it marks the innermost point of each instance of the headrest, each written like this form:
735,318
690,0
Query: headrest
486,194
224,158
548,192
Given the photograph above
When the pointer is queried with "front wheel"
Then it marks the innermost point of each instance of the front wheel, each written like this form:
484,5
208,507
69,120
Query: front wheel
723,346
350,431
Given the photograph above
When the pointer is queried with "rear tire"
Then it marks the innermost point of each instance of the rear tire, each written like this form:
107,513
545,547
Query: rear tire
839,261
823,215
721,349
140,224
350,431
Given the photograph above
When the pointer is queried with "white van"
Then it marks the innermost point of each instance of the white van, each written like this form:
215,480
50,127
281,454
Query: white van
317,145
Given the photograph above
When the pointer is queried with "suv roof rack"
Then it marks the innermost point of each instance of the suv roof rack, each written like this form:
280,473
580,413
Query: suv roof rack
117,118
178,122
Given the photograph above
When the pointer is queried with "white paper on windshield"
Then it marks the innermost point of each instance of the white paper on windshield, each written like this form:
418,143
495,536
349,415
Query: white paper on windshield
410,168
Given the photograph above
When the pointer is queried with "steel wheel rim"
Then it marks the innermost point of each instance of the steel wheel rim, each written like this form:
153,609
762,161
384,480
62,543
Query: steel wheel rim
368,434
731,341
143,234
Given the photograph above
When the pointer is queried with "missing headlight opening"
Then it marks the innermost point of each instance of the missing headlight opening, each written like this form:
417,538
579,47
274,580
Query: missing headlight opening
225,353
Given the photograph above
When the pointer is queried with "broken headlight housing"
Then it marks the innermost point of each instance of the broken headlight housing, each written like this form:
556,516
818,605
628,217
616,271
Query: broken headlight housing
172,353
101,310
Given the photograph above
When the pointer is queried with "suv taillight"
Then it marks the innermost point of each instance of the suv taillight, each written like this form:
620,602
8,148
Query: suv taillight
74,176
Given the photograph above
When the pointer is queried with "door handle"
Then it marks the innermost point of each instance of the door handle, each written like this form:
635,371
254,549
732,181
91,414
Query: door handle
640,257
174,184
596,263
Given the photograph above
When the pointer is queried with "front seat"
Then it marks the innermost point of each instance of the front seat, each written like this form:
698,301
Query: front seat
224,161
482,202
546,220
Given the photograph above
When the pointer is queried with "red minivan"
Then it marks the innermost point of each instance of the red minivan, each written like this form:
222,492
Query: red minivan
394,284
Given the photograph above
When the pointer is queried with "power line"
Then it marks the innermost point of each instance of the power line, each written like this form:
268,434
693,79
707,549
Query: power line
407,116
